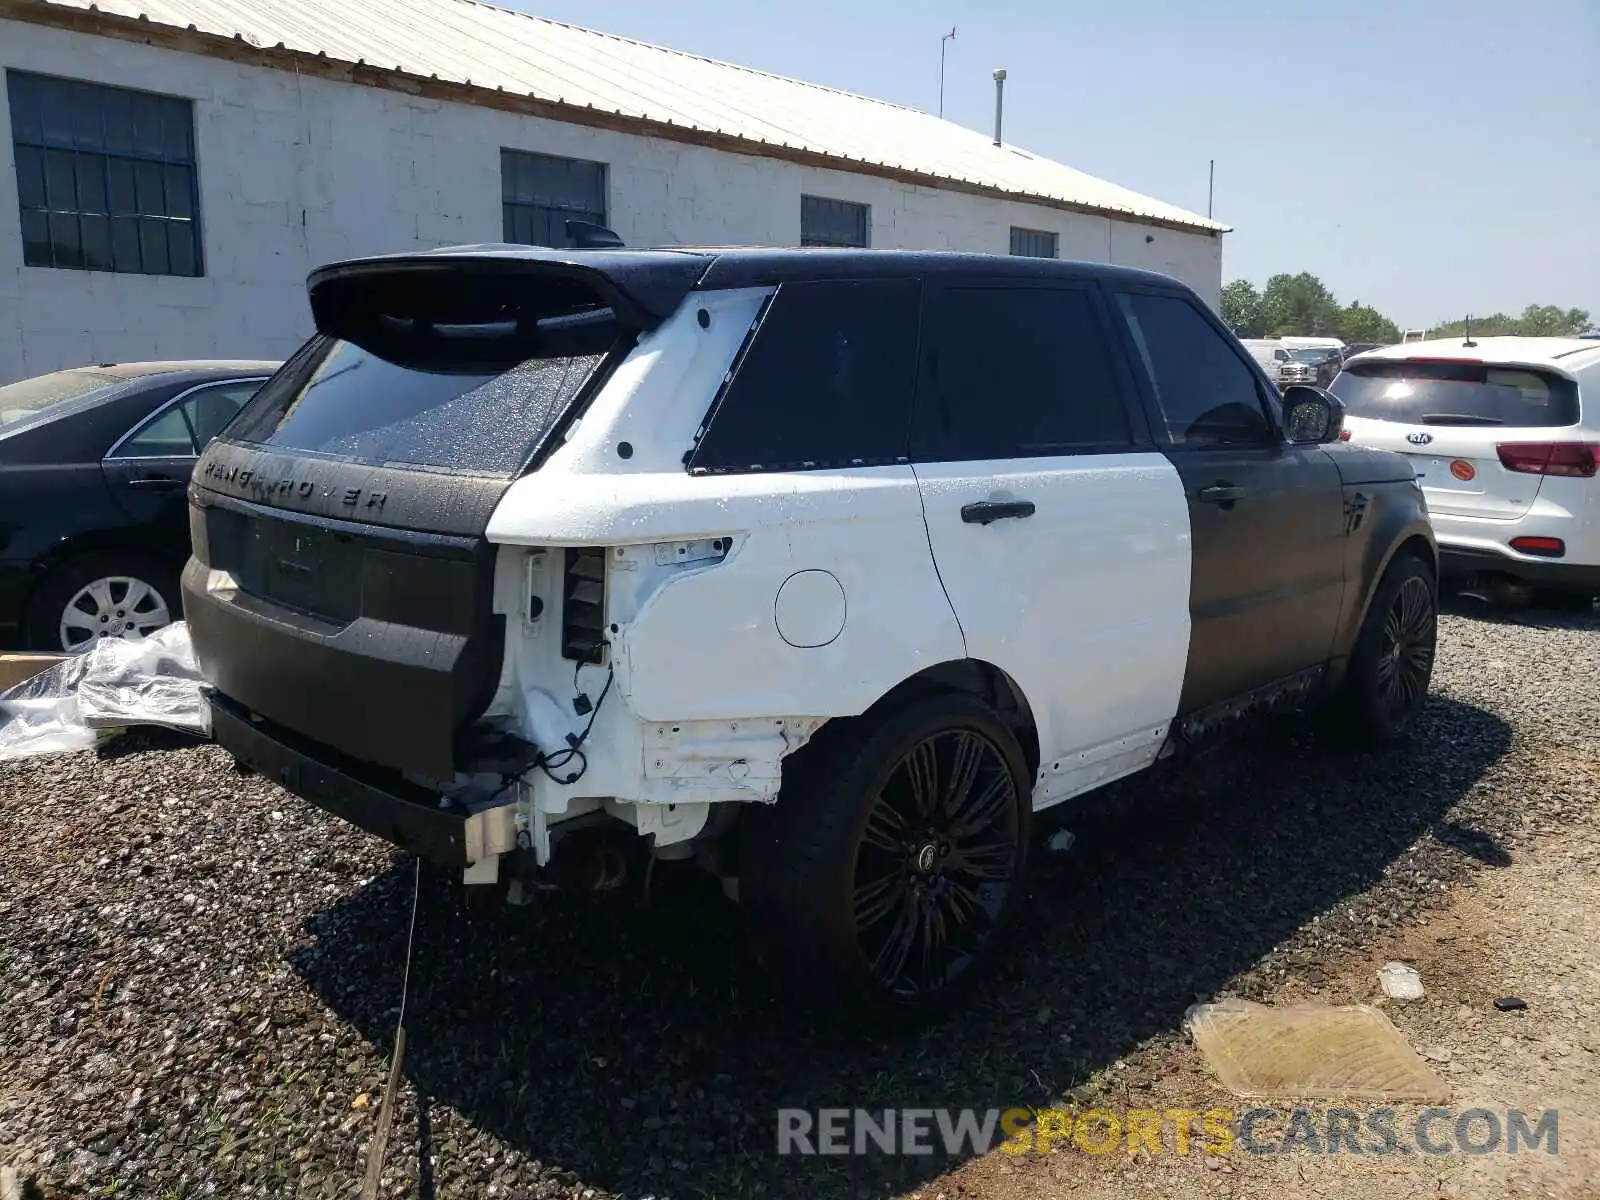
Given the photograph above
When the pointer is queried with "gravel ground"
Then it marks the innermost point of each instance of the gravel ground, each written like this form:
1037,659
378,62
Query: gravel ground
199,974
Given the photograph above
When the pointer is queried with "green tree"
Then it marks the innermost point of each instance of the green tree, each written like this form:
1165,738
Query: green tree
1299,305
1359,323
1241,309
1491,325
1547,320
1537,320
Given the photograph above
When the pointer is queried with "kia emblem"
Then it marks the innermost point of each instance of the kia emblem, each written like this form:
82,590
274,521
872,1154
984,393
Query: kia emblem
1419,438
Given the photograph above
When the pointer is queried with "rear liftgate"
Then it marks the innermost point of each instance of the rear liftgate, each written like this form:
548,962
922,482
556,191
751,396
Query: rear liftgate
341,590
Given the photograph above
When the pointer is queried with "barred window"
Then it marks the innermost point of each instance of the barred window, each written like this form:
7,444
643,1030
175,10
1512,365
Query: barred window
106,177
1032,243
540,193
825,222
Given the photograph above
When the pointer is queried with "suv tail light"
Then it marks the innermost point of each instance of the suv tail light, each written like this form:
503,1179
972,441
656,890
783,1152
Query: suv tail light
583,604
1572,459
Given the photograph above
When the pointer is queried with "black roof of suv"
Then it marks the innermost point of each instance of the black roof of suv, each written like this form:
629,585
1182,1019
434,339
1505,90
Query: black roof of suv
647,285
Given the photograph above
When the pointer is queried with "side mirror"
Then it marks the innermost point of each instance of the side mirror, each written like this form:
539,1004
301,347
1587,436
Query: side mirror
1311,416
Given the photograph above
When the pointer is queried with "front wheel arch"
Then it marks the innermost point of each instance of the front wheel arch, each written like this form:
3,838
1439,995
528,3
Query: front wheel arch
1415,538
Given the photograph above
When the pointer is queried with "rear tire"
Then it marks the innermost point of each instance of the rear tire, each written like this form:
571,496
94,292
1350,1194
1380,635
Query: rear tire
1386,683
134,593
883,881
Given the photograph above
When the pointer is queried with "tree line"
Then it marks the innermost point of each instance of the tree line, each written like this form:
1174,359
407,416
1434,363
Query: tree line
1301,305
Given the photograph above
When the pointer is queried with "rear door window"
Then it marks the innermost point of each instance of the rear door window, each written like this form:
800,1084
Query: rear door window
825,381
165,435
1017,373
1207,394
1457,393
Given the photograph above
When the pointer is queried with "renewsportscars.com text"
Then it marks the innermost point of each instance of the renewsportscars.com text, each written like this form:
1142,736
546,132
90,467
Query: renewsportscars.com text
957,1132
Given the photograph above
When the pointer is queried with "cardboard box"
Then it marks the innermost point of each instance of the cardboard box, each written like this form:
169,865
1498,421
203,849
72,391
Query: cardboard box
14,668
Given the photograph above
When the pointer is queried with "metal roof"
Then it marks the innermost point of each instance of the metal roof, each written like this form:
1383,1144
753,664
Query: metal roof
494,50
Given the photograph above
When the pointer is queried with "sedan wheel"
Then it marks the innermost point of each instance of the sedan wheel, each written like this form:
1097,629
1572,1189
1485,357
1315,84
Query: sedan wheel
116,606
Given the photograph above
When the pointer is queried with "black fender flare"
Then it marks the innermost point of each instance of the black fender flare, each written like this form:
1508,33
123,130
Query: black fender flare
1401,528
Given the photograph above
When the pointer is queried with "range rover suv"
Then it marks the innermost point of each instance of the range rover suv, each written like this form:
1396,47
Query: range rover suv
825,569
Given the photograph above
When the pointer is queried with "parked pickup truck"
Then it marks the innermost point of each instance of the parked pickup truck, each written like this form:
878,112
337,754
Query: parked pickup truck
825,569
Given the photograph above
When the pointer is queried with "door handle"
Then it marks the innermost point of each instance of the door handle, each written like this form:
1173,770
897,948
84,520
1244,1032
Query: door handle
985,511
156,483
1220,493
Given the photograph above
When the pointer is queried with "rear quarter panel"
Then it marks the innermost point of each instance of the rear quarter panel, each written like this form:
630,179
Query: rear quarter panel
706,643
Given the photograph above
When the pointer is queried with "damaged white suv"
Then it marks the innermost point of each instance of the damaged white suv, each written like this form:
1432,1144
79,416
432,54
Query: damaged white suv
825,569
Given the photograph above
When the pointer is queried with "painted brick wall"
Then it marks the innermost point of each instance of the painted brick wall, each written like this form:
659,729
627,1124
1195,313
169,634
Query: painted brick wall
295,172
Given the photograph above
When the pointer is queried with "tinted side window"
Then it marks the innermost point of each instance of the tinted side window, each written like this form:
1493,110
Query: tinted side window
1206,393
826,381
166,435
1017,373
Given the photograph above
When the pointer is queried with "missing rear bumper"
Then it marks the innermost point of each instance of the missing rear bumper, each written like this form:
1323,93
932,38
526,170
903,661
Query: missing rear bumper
454,830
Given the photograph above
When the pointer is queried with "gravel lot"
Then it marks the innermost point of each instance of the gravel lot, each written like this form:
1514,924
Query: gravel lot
199,974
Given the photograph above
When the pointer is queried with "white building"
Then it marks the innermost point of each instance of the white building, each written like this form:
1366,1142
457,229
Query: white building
178,166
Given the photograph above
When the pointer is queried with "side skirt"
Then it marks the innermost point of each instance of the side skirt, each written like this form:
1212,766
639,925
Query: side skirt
1205,728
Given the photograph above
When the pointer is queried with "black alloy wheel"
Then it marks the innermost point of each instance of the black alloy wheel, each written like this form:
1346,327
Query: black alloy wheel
883,881
937,860
1405,652
1386,685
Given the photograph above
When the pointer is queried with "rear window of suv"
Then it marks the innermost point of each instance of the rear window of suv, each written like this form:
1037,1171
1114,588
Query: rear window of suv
433,385
1457,393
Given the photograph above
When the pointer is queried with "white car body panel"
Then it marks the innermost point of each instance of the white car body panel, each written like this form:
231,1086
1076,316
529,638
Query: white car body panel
820,593
1084,604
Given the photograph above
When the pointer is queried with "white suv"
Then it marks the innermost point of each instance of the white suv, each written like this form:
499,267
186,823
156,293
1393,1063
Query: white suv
823,569
1504,433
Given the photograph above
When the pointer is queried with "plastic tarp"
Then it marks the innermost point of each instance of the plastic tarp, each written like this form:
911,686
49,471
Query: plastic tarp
117,684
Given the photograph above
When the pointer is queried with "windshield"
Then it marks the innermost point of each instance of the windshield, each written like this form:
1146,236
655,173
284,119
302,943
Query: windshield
29,397
1311,354
442,399
1457,393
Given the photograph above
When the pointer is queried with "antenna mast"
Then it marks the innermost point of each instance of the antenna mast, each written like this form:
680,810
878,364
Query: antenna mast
949,37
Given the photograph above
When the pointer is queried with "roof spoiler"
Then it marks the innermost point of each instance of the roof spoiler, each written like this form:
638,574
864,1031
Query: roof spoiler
586,235
643,288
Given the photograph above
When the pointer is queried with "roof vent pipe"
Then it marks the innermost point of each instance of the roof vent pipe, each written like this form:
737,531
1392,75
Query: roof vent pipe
999,100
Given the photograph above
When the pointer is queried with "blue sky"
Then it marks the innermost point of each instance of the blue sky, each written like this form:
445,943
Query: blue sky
1428,157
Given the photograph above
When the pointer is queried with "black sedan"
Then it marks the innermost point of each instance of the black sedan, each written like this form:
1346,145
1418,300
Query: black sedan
94,466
